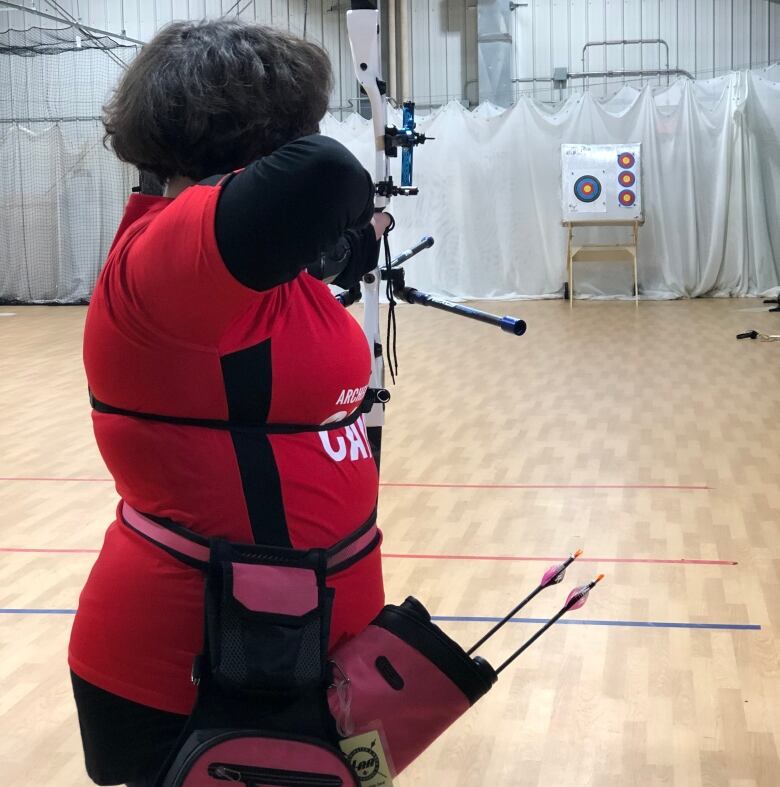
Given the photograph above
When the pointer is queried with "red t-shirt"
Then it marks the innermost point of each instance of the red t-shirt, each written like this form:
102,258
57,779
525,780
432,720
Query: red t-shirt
171,331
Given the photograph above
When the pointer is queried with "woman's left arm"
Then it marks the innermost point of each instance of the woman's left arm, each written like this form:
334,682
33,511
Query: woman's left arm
279,213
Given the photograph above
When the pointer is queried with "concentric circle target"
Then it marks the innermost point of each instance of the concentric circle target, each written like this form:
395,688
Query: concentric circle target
587,188
627,198
626,160
627,179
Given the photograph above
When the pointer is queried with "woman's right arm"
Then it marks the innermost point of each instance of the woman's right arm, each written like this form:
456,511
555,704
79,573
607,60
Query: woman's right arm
276,216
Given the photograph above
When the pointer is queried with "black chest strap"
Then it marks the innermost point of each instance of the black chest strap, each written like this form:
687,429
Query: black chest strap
373,396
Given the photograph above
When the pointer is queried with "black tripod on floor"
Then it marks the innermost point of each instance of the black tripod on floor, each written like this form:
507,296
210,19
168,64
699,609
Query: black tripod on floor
764,337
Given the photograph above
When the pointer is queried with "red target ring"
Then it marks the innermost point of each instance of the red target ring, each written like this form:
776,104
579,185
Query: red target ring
627,179
627,198
626,160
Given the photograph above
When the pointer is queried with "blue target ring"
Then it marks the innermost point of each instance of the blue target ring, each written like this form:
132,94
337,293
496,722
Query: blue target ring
587,188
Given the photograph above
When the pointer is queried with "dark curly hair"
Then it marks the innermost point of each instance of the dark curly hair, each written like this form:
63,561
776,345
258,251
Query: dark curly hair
203,98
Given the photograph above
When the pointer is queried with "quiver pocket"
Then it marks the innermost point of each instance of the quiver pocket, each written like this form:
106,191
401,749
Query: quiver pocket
267,619
254,758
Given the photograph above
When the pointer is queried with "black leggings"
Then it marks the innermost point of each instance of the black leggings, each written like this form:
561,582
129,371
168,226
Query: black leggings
124,742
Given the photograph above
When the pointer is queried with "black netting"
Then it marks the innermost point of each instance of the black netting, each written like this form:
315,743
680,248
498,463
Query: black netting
52,41
257,652
62,193
233,664
309,658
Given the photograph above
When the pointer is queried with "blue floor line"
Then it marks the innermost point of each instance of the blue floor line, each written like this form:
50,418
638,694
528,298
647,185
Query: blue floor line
625,623
9,611
477,619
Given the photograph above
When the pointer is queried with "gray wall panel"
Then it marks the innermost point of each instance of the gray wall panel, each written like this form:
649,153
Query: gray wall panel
774,27
706,37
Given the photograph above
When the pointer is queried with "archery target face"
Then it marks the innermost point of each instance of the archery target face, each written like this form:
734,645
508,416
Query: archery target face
586,194
601,182
587,188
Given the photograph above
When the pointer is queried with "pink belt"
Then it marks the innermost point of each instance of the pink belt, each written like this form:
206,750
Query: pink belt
195,550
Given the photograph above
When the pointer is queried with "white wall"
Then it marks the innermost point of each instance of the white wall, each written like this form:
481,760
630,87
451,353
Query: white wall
706,37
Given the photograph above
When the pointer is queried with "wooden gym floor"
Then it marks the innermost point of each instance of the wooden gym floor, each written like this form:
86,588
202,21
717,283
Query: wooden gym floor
646,435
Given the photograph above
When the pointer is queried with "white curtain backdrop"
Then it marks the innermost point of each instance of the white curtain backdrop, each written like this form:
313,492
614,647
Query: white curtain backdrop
490,192
489,187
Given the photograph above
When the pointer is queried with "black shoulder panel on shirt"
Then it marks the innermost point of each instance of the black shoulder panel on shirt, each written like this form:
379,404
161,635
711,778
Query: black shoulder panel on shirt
247,376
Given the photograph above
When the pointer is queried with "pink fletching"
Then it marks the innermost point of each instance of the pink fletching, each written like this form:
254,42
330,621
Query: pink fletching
584,590
549,577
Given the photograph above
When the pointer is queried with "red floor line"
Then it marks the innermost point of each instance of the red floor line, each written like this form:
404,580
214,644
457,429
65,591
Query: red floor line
50,551
528,558
677,487
52,478
515,558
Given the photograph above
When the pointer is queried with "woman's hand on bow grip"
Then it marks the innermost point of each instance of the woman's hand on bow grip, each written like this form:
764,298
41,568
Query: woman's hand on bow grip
380,222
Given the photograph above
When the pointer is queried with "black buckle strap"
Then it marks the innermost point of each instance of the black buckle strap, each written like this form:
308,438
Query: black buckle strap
373,396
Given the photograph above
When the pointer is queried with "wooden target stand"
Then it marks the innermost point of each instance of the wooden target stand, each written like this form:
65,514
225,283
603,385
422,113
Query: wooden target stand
624,252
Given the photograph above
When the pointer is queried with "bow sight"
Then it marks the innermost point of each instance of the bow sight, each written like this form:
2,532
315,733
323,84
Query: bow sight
407,139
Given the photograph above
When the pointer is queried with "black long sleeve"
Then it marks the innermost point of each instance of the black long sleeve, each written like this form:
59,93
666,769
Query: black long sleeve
279,214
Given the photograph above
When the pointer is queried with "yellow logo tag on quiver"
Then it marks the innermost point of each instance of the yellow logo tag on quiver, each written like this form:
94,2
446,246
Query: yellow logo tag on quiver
367,759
